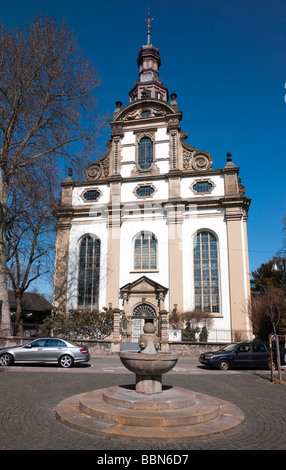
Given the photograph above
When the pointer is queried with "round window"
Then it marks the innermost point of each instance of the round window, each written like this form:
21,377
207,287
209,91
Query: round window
146,113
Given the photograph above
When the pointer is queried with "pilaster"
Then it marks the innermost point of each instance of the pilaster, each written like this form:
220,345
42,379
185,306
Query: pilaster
238,271
113,249
175,222
164,340
62,245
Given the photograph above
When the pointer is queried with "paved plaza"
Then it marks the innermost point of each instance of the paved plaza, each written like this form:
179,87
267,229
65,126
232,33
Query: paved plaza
29,396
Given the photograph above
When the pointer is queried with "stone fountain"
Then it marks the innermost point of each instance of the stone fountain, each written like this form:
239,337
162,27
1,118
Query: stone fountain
149,364
149,411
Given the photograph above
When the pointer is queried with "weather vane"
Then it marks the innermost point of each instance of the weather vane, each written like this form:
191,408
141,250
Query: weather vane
148,21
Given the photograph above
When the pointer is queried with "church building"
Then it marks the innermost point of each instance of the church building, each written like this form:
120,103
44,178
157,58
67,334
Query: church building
154,226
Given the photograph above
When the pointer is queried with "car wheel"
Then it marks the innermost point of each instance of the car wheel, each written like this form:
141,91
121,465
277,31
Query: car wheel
223,364
6,359
66,361
269,365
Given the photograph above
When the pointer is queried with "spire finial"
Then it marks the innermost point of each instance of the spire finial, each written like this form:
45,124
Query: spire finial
148,21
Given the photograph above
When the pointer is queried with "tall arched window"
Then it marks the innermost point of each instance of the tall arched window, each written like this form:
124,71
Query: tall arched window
206,272
88,275
145,153
145,251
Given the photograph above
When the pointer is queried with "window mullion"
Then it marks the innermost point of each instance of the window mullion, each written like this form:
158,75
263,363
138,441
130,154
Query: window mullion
210,278
85,272
92,276
202,272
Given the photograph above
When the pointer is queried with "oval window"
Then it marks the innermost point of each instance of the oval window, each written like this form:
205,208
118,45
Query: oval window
202,187
145,191
91,195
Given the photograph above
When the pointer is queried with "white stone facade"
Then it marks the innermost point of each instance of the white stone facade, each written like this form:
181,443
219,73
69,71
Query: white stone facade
176,197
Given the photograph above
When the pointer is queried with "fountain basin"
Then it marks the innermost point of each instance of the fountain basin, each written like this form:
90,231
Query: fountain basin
149,364
149,368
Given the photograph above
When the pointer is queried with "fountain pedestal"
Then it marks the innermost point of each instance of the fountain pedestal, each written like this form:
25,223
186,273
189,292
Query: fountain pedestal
148,384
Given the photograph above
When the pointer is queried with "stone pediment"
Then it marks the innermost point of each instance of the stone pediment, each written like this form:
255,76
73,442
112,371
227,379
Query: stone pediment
152,108
143,285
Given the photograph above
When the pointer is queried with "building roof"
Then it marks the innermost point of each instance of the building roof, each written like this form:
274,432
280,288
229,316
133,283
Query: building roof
31,302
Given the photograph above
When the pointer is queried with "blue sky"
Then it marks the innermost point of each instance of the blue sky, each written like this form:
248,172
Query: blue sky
225,59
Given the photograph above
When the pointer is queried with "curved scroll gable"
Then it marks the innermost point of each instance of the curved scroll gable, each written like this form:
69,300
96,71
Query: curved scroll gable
100,168
133,110
187,147
194,159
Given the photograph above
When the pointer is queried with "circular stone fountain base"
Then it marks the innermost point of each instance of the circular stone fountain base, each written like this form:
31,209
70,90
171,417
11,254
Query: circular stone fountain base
175,414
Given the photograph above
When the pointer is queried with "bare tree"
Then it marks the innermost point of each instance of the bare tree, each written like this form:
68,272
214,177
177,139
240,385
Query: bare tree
47,110
30,233
268,311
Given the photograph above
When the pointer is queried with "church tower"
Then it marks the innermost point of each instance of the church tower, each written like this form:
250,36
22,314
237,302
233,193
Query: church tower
153,227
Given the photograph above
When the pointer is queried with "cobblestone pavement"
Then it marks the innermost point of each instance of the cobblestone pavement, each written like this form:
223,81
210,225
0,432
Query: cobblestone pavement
28,399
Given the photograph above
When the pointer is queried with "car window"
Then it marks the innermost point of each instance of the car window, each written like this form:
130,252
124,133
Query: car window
244,348
56,343
229,347
259,348
39,343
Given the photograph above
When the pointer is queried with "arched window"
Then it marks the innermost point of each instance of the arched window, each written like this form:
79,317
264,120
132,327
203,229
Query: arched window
145,251
145,153
88,273
206,272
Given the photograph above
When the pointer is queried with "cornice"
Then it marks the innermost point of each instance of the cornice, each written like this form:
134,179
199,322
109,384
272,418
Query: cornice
231,205
163,176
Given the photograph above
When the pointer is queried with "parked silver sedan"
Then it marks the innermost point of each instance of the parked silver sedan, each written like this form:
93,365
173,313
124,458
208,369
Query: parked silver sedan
45,350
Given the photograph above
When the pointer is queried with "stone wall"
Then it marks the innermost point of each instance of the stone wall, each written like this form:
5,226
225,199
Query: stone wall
102,347
95,347
193,349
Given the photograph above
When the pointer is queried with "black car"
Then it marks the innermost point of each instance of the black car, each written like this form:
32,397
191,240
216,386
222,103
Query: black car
246,354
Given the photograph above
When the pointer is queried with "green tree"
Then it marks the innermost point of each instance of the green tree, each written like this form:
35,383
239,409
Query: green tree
264,278
197,321
80,323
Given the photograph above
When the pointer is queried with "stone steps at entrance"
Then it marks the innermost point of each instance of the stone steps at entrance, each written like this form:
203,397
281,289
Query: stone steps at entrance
195,416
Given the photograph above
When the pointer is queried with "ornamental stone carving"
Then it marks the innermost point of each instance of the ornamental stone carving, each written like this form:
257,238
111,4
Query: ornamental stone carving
187,157
101,168
154,111
193,159
201,161
92,171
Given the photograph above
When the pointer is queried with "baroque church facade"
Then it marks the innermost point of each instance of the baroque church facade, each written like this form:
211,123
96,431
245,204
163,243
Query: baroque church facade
154,227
